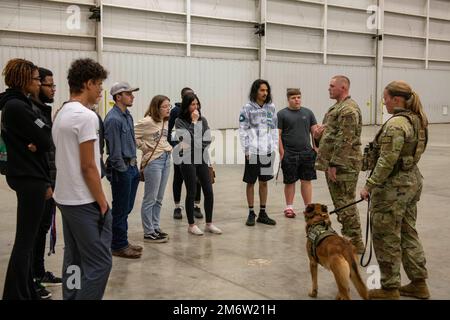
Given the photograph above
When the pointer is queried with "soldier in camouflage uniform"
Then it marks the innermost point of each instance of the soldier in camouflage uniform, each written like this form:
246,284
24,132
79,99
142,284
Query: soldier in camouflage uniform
395,185
340,156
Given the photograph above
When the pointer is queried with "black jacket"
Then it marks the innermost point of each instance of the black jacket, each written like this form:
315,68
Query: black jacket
173,116
44,112
199,140
20,127
101,137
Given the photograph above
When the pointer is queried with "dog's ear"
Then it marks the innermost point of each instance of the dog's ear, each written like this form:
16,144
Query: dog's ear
309,208
324,208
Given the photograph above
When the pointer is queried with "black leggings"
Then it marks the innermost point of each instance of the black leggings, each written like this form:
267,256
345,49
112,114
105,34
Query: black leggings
178,183
30,209
192,172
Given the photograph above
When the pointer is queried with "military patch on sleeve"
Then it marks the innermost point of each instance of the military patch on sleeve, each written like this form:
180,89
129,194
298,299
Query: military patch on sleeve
386,140
241,118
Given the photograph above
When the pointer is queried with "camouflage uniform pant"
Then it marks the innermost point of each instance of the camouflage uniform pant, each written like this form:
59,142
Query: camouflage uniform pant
395,238
343,193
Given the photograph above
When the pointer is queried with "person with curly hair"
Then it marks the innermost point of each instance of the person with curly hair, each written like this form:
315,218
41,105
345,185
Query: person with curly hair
79,195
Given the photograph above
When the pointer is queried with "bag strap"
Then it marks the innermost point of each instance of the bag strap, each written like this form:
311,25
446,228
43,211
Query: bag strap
154,149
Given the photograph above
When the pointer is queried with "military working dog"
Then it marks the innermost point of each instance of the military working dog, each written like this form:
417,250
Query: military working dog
333,252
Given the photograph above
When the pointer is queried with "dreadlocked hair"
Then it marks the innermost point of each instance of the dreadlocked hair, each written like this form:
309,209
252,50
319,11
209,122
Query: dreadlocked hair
18,73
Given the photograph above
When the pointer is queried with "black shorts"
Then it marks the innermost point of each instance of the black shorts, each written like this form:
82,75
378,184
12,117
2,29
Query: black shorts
258,167
299,165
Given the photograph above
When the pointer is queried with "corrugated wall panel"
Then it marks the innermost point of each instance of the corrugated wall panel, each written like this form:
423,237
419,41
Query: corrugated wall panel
222,85
313,80
58,61
433,87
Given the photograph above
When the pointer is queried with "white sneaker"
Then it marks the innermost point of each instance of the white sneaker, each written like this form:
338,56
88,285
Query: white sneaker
213,229
195,230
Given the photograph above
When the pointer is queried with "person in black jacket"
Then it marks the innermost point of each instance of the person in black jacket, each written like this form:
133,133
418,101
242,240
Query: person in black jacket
41,107
177,176
27,171
194,135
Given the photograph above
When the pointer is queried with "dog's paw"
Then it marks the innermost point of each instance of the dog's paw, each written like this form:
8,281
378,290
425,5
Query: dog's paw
313,293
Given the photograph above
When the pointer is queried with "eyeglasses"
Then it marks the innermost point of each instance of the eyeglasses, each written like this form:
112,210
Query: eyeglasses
166,107
49,85
37,78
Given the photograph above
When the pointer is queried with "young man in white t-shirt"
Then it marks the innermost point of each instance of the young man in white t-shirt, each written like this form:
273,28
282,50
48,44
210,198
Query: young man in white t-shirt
78,192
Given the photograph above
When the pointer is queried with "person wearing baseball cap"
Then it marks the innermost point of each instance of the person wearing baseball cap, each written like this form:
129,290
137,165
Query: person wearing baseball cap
122,169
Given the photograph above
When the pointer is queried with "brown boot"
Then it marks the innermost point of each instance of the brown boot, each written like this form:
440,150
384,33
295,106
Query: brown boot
416,289
127,253
136,247
384,294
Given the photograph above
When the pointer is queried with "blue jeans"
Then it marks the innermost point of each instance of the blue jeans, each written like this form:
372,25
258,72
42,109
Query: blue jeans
124,186
156,174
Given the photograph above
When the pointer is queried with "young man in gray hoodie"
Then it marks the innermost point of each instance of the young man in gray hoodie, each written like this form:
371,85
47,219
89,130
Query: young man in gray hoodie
258,134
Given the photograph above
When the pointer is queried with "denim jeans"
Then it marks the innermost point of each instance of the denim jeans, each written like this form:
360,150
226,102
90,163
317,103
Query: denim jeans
156,175
124,186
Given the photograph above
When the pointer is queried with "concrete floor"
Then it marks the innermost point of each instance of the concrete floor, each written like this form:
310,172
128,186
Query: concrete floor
260,262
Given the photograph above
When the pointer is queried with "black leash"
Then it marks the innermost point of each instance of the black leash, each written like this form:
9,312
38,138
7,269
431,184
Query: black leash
368,235
368,231
346,206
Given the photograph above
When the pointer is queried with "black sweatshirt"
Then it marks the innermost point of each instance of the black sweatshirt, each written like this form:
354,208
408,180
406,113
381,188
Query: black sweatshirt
20,127
44,112
200,136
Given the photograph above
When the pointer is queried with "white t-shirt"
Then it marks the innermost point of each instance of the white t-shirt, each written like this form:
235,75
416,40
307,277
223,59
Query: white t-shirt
74,124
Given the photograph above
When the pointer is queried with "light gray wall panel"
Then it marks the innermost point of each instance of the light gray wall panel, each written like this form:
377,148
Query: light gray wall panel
160,5
431,85
222,85
313,80
143,25
440,9
58,61
408,6
43,16
294,12
246,10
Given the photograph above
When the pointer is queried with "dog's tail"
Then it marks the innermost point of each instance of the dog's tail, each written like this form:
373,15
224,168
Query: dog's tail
355,276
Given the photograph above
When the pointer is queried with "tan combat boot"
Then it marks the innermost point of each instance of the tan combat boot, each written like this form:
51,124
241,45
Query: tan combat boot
384,294
416,289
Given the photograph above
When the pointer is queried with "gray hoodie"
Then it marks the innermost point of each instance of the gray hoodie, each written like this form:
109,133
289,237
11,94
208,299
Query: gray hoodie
258,128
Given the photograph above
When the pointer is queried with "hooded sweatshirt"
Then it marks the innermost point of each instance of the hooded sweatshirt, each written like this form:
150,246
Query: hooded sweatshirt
258,128
44,111
20,127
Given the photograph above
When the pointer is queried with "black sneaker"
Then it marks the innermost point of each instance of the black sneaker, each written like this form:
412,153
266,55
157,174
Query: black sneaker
161,234
198,213
49,280
42,293
177,214
155,238
264,218
251,219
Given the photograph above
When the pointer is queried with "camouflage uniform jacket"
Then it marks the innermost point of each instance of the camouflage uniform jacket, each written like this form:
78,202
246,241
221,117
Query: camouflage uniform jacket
340,144
401,142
